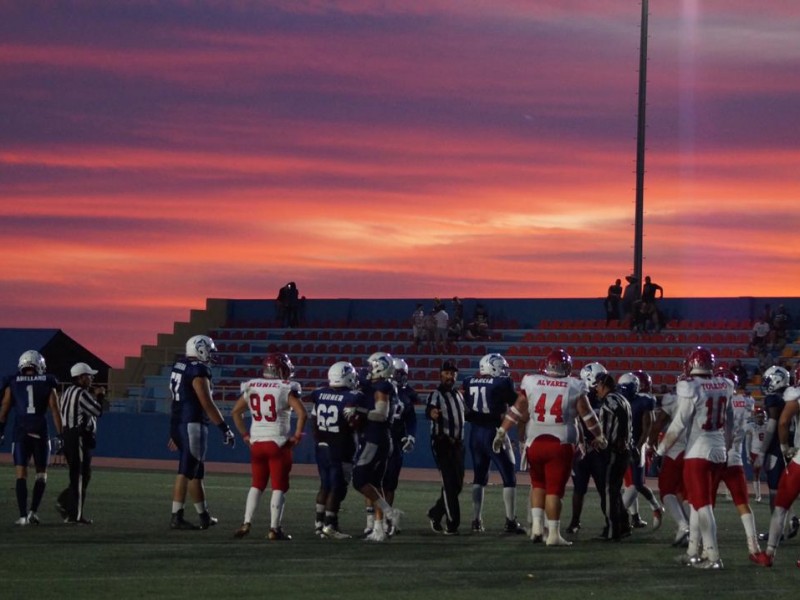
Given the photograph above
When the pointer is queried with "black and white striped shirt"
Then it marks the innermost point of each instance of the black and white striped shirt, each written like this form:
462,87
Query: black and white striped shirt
79,409
450,403
615,419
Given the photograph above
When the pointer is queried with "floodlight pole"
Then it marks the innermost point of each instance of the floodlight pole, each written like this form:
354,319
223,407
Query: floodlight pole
638,242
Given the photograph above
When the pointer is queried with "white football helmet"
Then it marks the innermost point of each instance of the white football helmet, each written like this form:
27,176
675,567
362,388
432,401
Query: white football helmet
590,372
774,380
400,371
200,347
494,365
342,374
380,365
32,359
631,380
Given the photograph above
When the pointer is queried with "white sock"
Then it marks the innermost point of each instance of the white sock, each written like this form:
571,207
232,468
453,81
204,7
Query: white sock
675,510
477,501
553,530
176,506
537,521
253,497
694,533
749,523
776,525
276,508
628,497
509,499
708,530
200,507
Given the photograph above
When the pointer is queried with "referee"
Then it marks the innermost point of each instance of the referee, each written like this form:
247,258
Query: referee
445,409
80,406
615,417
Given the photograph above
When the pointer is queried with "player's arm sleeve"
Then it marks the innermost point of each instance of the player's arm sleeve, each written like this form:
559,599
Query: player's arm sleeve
681,420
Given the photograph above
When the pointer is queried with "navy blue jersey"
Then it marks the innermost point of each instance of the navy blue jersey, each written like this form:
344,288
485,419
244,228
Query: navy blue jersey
186,407
330,424
404,419
641,404
774,401
376,431
30,401
487,399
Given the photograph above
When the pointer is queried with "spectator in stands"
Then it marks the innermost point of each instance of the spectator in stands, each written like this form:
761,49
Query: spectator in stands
442,320
781,322
292,305
630,296
478,328
456,325
418,325
759,336
649,309
612,301
742,376
281,308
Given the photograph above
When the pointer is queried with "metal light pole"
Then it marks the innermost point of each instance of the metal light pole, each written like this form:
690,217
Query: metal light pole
640,134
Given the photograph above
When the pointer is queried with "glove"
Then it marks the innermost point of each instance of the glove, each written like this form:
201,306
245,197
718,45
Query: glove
58,445
408,444
499,440
227,435
788,452
600,443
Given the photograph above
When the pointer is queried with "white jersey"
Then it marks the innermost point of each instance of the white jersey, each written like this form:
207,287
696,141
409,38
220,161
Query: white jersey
755,435
270,412
669,405
552,405
792,394
704,411
742,408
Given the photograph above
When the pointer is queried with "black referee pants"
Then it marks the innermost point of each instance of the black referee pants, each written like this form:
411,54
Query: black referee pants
78,447
616,517
449,456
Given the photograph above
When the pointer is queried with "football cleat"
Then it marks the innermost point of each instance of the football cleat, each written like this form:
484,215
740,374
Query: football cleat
206,520
681,539
394,515
33,518
794,527
436,525
330,532
573,528
62,512
177,522
557,541
243,530
377,535
637,522
22,521
658,517
450,531
477,526
688,560
512,526
762,559
278,534
708,564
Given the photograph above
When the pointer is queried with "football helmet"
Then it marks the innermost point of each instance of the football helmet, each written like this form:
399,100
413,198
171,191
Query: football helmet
759,415
699,361
200,347
774,380
645,381
32,359
342,374
278,366
493,365
727,374
380,365
557,364
630,380
400,371
590,371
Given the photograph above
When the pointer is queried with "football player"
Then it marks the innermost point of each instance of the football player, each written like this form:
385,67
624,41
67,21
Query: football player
403,430
774,382
705,410
637,387
31,393
374,442
549,404
755,433
270,399
335,444
488,397
193,407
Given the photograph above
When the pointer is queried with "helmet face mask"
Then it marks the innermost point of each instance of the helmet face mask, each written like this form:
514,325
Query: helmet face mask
380,365
774,380
31,359
277,366
342,374
494,365
201,347
557,364
590,371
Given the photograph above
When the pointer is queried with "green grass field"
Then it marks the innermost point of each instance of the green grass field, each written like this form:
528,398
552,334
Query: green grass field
130,552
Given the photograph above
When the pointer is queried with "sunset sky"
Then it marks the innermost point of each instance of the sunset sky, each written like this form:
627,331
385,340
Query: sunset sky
155,154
